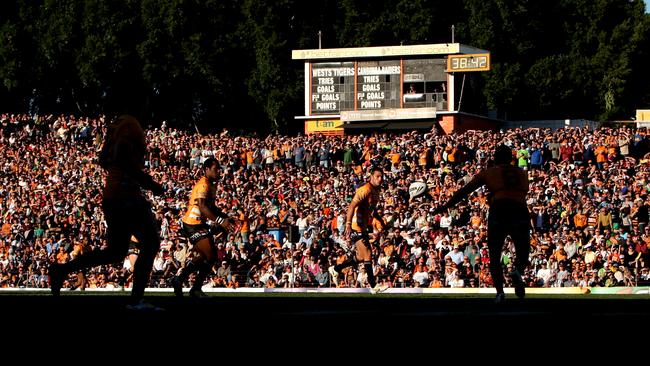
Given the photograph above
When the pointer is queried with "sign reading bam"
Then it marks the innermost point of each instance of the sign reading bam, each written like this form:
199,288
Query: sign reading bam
325,127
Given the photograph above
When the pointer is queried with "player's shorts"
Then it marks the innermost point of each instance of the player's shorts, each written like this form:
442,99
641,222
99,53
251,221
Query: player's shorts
361,242
510,215
133,248
355,236
196,233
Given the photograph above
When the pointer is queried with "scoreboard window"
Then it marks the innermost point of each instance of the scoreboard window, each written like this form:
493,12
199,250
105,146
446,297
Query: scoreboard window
425,83
332,87
378,84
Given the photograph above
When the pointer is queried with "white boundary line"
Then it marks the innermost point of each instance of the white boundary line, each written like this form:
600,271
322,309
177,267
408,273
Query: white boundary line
328,290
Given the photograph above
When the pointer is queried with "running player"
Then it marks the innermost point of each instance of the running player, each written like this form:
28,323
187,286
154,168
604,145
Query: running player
201,211
126,209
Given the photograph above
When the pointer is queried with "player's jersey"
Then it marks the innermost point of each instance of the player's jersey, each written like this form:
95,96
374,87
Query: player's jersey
128,132
505,182
367,197
202,189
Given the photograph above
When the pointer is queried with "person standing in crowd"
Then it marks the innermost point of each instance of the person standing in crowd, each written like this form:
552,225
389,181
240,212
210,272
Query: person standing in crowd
126,210
358,226
201,208
508,215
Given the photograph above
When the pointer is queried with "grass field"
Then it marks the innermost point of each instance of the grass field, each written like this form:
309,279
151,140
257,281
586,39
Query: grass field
321,295
315,305
240,316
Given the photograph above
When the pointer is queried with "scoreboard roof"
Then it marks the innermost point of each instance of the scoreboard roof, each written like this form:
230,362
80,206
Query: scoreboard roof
384,51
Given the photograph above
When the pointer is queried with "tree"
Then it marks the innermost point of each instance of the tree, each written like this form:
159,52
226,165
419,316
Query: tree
220,62
570,58
107,65
269,31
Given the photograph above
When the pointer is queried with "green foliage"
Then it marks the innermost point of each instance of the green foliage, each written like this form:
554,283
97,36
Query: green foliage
269,29
223,62
8,55
574,57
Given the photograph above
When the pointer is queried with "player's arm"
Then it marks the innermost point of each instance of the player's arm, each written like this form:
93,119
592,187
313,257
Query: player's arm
349,215
379,218
460,194
213,213
209,211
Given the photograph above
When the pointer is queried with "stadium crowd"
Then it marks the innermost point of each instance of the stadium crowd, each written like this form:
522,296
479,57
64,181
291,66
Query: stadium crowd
588,201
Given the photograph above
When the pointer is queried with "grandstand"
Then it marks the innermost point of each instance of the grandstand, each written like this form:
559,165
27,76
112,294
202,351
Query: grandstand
589,200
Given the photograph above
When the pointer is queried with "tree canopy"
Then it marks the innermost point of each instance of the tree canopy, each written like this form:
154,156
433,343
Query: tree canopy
227,63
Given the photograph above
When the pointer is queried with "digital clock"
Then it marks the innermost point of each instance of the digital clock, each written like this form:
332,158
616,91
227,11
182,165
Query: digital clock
470,62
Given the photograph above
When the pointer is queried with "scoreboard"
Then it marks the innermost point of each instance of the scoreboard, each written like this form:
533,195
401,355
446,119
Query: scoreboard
386,83
371,85
334,87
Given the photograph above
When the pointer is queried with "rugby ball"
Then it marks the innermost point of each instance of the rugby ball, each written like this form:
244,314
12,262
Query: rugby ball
417,189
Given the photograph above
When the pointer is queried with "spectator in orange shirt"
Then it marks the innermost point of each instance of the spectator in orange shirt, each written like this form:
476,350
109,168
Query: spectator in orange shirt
580,220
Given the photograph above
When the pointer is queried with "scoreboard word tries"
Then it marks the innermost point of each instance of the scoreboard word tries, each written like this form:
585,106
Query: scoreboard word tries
333,86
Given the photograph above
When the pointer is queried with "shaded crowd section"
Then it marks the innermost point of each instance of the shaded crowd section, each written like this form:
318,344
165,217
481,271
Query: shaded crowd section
588,201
